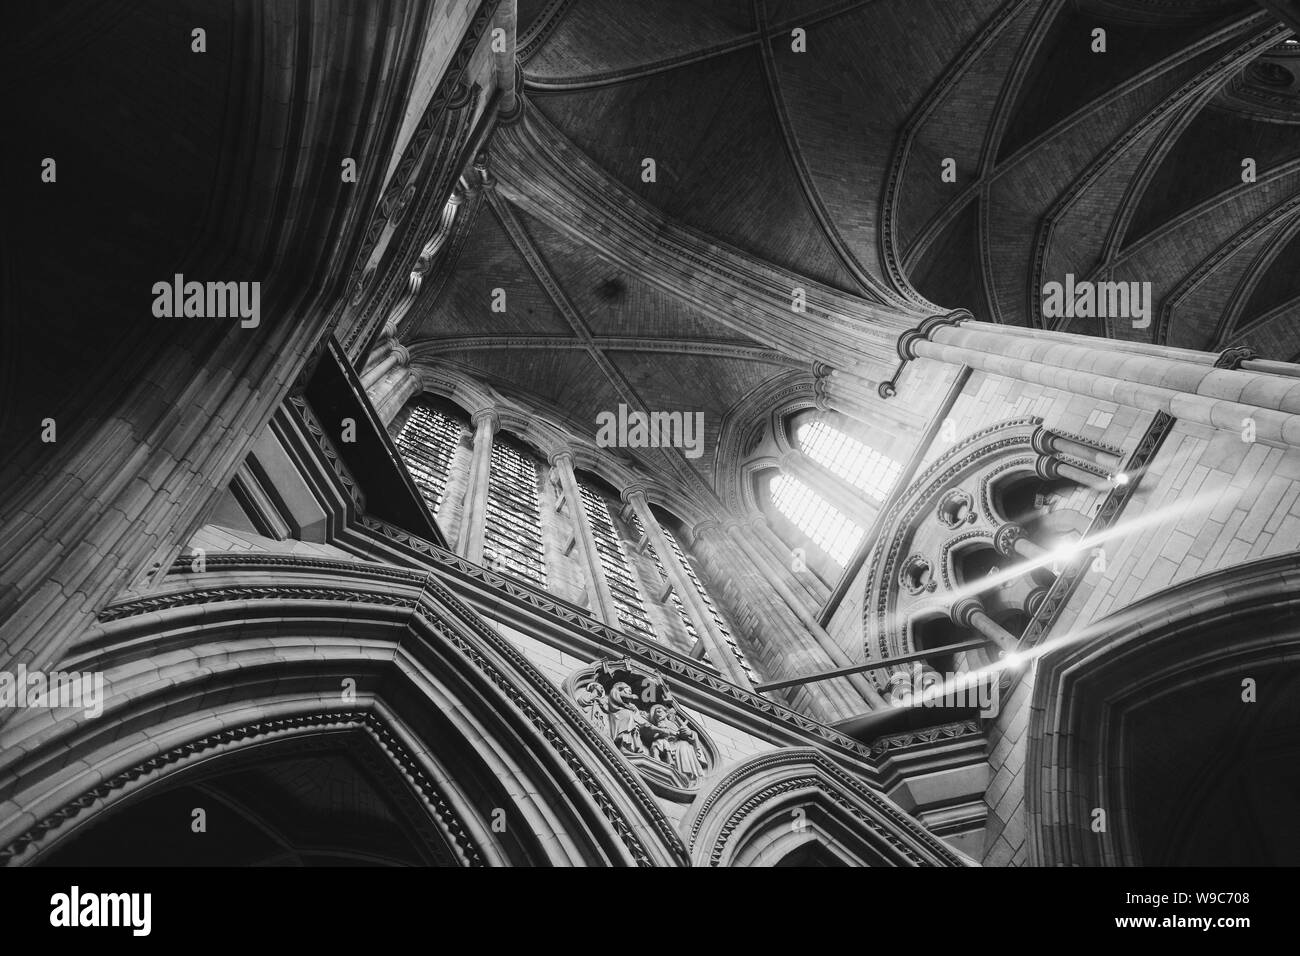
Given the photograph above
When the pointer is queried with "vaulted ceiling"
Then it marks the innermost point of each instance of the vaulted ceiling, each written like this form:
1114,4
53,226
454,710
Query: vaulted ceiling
826,165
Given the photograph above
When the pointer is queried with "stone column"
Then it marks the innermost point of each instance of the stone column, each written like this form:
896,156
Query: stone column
778,583
968,612
775,635
1187,389
858,398
701,618
390,394
1010,540
397,355
1047,442
602,604
777,550
1052,467
474,516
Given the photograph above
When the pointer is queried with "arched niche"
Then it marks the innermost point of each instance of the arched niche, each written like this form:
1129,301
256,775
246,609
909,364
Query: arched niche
1147,717
777,808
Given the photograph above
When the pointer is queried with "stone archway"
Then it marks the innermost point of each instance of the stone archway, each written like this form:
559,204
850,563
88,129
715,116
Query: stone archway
1145,723
266,649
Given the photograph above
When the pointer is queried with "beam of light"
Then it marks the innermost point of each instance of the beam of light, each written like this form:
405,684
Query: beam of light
1062,555
1027,656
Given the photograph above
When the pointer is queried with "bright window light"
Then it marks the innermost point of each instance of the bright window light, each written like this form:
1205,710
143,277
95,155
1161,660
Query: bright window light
848,458
828,528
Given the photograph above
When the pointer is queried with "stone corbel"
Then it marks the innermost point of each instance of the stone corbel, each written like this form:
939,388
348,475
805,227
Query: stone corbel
907,345
1232,358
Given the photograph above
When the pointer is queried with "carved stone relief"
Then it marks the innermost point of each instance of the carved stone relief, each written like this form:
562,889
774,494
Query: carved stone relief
632,705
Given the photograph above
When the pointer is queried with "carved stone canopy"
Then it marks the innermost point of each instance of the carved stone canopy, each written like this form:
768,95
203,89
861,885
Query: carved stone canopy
634,707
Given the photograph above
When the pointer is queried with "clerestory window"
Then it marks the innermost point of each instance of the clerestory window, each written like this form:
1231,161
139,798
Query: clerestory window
427,443
848,458
823,524
512,539
613,560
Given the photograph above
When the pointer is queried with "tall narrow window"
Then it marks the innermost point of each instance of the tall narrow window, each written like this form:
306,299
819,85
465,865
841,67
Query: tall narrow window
513,526
848,458
614,563
708,601
426,443
663,576
828,528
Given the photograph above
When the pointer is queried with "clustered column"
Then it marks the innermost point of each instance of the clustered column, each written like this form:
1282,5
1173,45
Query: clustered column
776,579
474,521
844,393
774,552
1188,387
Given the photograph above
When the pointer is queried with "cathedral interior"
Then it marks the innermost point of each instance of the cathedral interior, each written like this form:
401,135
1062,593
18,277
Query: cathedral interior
689,433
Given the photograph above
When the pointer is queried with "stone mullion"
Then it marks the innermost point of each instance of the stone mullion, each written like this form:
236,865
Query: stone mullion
474,515
775,566
815,586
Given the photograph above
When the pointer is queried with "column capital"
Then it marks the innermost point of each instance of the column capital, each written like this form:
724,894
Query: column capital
486,415
961,612
632,491
555,457
758,520
1004,539
792,459
1047,467
704,527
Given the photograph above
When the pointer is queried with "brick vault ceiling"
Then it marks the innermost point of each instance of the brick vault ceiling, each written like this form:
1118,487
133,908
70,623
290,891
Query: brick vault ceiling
1124,165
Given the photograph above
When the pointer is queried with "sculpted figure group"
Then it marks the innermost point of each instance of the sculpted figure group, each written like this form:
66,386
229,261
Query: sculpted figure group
657,731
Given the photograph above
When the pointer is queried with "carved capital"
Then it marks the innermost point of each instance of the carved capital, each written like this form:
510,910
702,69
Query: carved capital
631,491
964,610
1005,538
1047,467
1043,441
707,526
486,415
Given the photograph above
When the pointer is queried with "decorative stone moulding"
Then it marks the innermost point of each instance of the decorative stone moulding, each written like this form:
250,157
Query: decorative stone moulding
632,705
956,508
906,346
917,575
359,289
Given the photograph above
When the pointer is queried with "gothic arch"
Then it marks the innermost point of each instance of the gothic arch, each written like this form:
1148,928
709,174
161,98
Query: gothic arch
914,529
788,802
1141,715
258,648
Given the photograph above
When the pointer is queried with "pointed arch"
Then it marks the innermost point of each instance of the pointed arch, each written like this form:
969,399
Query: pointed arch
798,801
260,648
